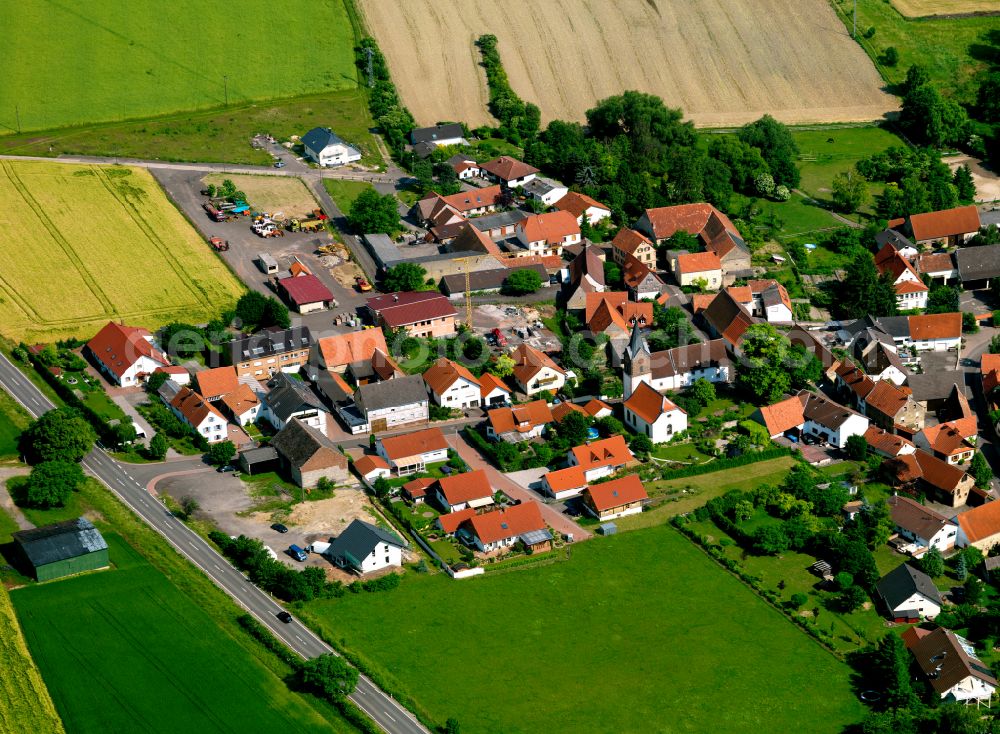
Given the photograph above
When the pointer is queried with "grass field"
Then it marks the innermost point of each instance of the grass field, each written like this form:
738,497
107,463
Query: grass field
150,660
637,632
924,8
13,419
103,64
273,194
344,193
87,244
25,704
953,50
214,135
724,62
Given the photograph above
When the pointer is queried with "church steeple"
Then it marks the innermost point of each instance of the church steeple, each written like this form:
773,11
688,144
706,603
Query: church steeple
637,363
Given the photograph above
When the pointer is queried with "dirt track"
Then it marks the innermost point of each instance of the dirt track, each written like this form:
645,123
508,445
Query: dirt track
924,8
724,62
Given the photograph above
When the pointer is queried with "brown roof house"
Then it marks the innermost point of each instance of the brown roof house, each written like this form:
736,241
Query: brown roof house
952,668
949,226
586,275
629,242
535,372
945,483
519,422
921,524
308,455
980,527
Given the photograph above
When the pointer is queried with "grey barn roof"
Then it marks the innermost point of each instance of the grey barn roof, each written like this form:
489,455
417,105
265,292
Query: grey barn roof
266,343
436,132
900,583
391,393
935,385
298,443
501,219
259,455
894,238
60,541
289,396
978,263
359,539
484,280
320,137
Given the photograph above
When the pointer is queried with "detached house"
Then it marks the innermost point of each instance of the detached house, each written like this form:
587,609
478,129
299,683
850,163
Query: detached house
585,464
508,172
308,455
493,392
952,668
519,422
499,529
922,525
946,441
461,491
945,483
725,318
216,382
629,242
813,415
979,527
766,299
289,398
421,313
366,548
242,405
325,148
548,234
581,205
949,226
642,283
695,268
909,595
535,372
611,313
413,452
451,385
614,499
384,406
653,415
361,355
439,135
911,293
195,412
545,190
125,354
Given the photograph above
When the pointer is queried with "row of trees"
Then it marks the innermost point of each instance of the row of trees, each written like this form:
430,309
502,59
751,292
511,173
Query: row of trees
394,120
519,120
55,444
916,181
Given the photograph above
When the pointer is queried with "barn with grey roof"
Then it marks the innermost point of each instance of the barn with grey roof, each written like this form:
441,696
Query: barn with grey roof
62,549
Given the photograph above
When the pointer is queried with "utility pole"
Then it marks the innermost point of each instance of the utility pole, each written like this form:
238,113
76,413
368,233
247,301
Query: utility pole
225,81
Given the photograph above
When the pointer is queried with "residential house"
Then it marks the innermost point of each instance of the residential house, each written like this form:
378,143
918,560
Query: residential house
893,408
451,385
308,455
508,172
216,382
535,372
290,398
766,299
366,548
499,529
581,205
925,332
911,293
640,280
653,415
562,484
898,242
614,499
600,458
881,361
413,452
938,266
267,352
370,468
421,313
887,445
978,266
548,234
325,148
989,368
241,405
493,392
697,269
545,190
812,415
921,524
464,167
611,313
716,232
519,422
586,275
909,595
437,211
944,482
725,318
449,522
564,408
629,242
450,133
952,668
979,527
305,293
361,355
673,369
946,441
126,355
949,226
459,491
389,405
415,491
197,413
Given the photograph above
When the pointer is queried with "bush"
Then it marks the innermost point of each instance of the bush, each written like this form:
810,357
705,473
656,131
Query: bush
798,600
51,483
522,282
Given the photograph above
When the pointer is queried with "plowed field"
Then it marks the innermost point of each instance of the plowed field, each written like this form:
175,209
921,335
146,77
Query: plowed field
724,62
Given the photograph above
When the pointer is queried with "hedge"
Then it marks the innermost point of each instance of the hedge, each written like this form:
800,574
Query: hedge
519,120
66,394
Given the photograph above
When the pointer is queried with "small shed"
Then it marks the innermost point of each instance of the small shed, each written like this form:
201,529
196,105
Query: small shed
257,461
608,528
267,263
63,549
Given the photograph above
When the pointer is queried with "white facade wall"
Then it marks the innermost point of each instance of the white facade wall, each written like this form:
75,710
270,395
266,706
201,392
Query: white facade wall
384,556
778,313
666,426
334,155
594,215
312,417
943,539
855,425
546,379
131,376
461,394
927,609
400,415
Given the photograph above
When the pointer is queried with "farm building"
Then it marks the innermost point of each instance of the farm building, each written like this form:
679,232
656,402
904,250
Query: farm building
305,293
486,281
325,148
308,455
63,549
949,226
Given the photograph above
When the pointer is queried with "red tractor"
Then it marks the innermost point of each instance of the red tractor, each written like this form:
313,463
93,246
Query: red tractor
219,244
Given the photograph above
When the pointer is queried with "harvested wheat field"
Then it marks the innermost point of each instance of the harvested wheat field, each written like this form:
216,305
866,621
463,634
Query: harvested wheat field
85,244
724,62
925,8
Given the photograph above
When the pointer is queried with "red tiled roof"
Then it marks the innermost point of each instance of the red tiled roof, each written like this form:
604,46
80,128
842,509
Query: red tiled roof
628,240
935,262
550,228
928,327
946,439
529,361
936,472
240,400
369,463
450,521
945,223
507,168
194,407
465,201
595,406
648,404
355,346
884,442
692,218
497,525
910,286
305,289
564,409
118,347
489,382
783,415
411,308
521,418
444,373
886,398
561,480
413,444
460,488
603,310
610,451
616,493
217,381
981,522
418,487
698,262
577,204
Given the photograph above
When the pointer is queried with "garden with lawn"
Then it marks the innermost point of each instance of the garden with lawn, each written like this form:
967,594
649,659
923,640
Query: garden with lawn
635,632
13,420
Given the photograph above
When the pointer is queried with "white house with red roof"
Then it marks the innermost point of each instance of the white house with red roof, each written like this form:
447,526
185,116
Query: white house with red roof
500,529
535,372
548,234
910,290
509,172
581,205
451,385
195,411
412,452
126,354
462,491
614,499
653,415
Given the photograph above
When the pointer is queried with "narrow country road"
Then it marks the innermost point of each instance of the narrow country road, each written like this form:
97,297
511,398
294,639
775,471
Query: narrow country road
382,708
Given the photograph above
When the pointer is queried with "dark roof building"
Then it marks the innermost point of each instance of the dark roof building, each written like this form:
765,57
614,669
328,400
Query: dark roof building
269,343
289,397
308,454
255,461
63,549
358,542
904,584
486,280
978,264
378,396
437,134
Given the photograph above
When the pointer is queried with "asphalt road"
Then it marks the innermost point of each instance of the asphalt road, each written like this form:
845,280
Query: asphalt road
382,708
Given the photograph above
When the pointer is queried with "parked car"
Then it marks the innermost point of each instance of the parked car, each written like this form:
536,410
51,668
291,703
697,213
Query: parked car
226,469
279,164
279,527
500,338
297,553
285,617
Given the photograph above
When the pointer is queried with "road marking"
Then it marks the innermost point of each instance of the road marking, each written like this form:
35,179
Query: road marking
386,713
217,566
